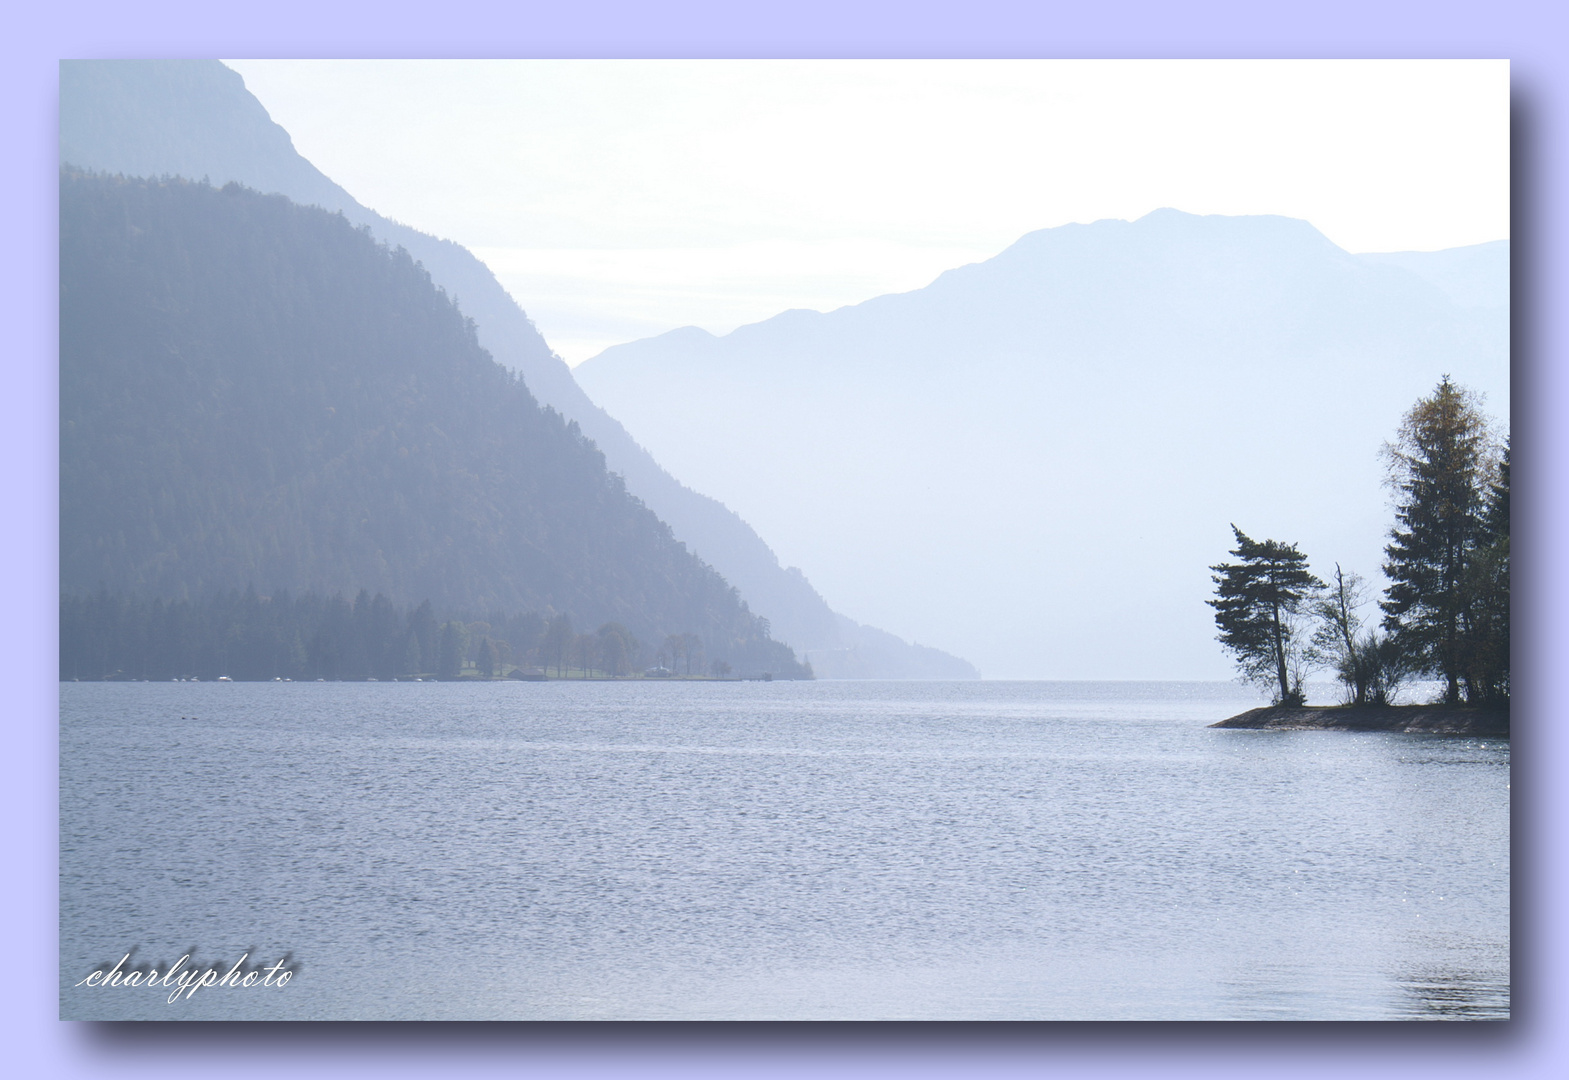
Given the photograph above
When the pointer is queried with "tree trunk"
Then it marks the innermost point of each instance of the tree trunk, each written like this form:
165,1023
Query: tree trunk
1280,658
1452,664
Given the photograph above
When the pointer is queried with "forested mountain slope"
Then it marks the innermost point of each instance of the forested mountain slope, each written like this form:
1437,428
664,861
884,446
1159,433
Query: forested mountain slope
258,393
194,118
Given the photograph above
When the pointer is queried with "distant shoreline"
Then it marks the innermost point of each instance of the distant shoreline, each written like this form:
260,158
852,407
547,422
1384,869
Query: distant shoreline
475,679
1492,722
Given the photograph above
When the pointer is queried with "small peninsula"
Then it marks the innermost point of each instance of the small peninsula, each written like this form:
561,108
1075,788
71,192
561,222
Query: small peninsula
1473,721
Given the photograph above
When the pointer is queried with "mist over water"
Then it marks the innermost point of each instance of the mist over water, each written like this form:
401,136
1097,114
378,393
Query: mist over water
760,850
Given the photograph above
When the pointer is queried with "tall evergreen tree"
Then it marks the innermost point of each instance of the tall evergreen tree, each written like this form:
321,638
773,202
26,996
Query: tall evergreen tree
453,643
1487,650
413,659
422,625
1257,601
1440,467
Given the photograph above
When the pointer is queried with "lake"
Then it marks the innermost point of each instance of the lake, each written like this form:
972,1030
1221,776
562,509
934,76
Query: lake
845,850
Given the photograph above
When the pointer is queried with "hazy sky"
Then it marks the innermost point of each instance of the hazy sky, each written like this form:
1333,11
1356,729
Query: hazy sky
619,199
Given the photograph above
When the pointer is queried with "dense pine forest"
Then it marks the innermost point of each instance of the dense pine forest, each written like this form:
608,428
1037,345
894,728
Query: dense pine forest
257,397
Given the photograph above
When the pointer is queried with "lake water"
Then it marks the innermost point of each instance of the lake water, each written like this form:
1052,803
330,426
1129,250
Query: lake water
773,850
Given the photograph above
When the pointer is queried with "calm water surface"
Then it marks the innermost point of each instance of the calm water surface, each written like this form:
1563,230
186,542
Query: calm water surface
774,850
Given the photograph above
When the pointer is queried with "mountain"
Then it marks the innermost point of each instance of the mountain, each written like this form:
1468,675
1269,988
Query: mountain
194,118
254,393
1475,277
1034,460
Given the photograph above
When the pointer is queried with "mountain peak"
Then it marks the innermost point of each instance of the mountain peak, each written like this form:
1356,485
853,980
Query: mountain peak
1106,391
192,118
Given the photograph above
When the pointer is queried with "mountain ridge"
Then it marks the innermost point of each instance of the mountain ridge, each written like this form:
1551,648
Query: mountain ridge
1014,407
1428,266
195,118
258,393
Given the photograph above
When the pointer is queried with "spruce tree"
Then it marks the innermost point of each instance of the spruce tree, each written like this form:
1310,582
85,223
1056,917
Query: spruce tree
413,659
1440,467
1487,652
1257,600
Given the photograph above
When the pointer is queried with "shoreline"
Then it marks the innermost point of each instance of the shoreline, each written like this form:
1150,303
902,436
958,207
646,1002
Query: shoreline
1467,720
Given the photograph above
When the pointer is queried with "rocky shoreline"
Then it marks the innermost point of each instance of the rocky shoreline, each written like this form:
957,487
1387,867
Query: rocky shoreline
1492,723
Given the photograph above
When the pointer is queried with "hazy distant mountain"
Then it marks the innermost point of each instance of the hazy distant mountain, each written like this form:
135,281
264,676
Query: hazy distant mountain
257,393
1473,277
194,118
1033,460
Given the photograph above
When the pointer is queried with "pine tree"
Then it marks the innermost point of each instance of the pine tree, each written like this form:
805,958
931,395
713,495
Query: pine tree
422,625
1487,652
1257,601
413,658
1440,467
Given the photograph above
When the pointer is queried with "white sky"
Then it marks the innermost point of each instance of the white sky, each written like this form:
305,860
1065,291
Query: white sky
620,199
